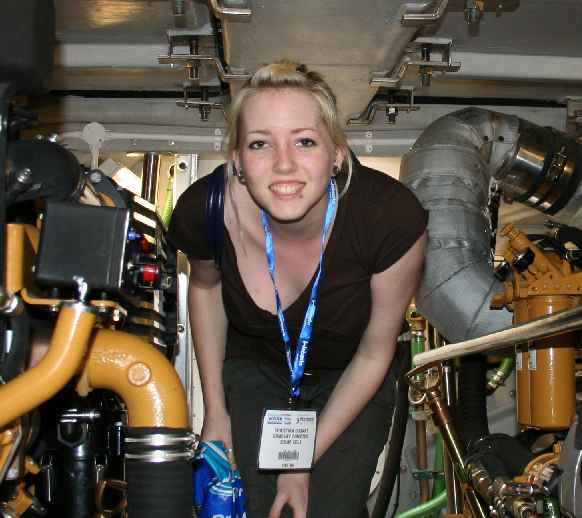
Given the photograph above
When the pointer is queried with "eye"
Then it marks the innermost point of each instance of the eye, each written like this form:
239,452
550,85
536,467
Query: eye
306,142
257,144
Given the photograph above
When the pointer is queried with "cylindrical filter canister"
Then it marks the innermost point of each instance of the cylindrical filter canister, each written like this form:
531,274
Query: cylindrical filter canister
546,393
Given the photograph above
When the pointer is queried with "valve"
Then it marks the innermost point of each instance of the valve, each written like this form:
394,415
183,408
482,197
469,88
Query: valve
523,260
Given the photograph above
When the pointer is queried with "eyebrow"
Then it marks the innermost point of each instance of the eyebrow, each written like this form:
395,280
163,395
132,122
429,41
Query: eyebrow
297,130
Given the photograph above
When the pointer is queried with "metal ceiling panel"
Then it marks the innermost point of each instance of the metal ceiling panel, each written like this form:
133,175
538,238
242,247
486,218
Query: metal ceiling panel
343,39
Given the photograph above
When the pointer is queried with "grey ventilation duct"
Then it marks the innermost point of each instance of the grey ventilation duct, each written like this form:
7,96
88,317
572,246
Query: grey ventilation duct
450,168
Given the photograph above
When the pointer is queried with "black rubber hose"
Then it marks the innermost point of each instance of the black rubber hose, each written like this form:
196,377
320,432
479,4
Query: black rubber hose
472,399
394,454
513,455
75,483
157,489
502,455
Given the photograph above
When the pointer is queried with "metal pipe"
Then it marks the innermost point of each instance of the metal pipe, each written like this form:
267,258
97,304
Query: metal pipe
500,375
68,346
141,375
443,420
454,493
426,509
554,324
10,440
422,459
149,177
430,393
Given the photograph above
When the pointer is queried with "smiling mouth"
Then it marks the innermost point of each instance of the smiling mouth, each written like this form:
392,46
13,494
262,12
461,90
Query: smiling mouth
286,189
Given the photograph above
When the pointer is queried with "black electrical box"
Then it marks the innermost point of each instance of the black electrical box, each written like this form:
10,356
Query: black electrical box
82,241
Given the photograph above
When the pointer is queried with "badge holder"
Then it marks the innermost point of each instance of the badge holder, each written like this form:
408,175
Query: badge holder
287,440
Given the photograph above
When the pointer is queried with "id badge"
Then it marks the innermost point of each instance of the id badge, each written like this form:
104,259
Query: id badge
287,440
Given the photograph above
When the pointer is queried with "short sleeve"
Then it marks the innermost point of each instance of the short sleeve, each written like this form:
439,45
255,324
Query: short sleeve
186,230
394,220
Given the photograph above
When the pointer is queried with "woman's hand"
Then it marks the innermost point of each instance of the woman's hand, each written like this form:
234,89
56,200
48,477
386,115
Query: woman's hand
292,490
216,427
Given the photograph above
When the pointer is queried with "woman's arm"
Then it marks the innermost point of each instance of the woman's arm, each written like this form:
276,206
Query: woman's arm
391,294
208,323
392,291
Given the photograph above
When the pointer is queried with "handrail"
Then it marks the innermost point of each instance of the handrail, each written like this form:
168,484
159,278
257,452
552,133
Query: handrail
543,327
231,13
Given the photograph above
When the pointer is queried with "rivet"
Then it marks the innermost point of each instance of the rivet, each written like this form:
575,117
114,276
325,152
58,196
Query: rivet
139,374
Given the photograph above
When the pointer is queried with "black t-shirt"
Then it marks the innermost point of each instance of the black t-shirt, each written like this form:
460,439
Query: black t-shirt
377,221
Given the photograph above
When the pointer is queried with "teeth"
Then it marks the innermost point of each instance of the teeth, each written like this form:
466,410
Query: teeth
285,188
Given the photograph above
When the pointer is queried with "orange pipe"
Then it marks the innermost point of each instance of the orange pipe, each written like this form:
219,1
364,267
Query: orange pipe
67,349
141,375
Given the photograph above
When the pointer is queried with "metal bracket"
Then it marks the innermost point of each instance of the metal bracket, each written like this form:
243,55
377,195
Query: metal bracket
193,60
574,117
427,474
190,60
420,48
235,14
391,107
204,105
410,13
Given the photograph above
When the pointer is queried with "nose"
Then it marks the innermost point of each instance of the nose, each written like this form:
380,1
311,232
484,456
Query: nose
284,159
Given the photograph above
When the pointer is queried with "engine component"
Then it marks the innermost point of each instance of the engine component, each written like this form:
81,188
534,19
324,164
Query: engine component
426,389
544,284
450,168
160,459
68,346
41,169
98,235
140,374
75,472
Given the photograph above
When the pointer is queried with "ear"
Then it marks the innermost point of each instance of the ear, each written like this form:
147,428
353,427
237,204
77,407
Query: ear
340,157
236,159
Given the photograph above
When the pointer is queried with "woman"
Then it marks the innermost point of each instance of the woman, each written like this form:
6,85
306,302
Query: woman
290,163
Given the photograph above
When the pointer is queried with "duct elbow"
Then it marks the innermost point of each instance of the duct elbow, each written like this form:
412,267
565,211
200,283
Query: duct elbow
450,168
143,378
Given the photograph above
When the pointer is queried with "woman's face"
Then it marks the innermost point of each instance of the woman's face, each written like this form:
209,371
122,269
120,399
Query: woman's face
286,154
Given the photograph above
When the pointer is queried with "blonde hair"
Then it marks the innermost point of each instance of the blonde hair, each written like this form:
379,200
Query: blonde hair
288,74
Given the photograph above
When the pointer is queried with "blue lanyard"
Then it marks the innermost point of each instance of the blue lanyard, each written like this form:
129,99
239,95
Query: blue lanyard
297,365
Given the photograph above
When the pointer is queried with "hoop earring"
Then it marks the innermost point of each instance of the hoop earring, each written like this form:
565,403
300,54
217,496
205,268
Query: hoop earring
335,171
240,176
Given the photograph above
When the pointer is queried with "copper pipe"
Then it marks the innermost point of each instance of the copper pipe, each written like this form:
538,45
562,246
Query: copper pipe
68,346
422,459
140,375
444,421
454,493
431,394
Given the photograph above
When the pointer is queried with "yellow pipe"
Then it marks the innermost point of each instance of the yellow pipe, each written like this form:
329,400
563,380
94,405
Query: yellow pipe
141,375
68,346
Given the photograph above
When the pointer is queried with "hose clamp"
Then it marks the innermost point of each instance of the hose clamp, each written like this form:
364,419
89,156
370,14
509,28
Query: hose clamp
161,447
159,456
160,439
